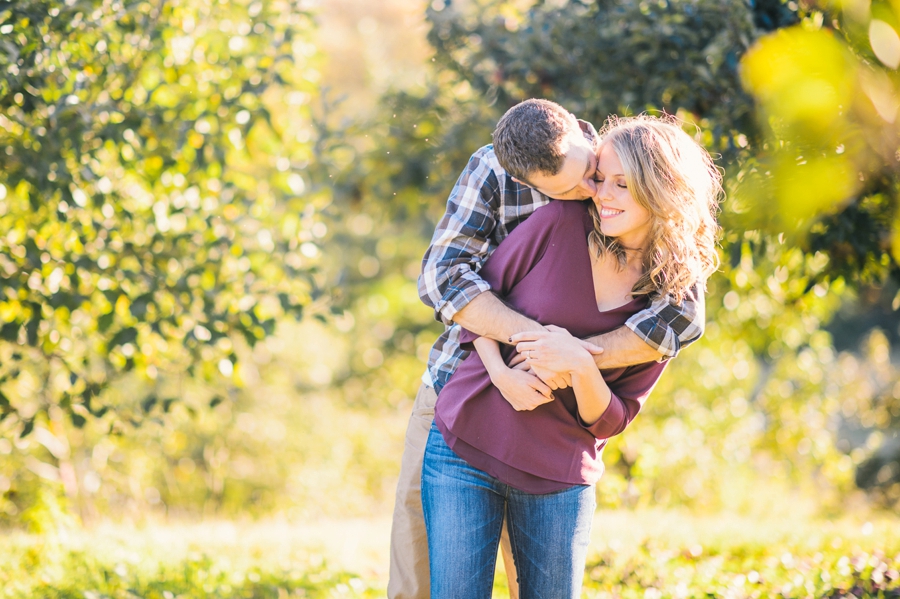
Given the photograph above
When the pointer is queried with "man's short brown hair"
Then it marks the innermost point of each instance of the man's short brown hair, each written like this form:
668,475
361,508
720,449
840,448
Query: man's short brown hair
531,138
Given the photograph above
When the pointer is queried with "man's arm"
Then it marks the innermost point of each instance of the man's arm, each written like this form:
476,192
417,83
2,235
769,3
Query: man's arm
451,281
622,347
654,334
489,317
462,240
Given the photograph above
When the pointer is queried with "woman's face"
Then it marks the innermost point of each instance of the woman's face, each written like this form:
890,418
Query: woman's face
620,215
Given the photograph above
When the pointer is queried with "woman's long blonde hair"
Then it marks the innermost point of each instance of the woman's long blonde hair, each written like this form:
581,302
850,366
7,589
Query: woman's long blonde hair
674,178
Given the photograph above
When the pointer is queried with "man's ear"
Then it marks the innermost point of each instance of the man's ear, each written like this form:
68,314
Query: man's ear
588,130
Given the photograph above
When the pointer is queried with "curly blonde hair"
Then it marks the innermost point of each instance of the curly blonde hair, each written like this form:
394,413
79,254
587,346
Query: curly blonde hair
674,178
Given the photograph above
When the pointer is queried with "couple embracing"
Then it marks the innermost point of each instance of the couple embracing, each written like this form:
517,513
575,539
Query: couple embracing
560,317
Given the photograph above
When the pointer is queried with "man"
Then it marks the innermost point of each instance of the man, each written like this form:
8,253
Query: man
545,153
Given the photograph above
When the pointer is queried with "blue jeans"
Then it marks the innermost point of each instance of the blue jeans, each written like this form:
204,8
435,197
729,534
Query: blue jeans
464,510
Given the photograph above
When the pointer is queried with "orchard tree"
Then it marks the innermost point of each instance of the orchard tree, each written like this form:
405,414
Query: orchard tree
830,169
161,181
827,165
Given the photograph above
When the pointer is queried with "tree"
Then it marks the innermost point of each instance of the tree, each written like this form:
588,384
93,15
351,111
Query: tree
160,183
826,93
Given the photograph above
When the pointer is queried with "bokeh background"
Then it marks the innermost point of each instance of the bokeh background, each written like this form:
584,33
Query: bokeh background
212,217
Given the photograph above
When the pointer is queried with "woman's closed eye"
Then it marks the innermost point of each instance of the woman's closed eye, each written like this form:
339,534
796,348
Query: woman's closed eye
621,185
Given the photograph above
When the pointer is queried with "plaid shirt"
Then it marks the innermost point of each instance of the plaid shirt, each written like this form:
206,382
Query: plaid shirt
484,207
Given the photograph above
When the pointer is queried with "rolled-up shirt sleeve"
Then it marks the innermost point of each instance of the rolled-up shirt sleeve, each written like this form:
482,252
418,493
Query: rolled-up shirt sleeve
669,327
450,269
629,392
515,258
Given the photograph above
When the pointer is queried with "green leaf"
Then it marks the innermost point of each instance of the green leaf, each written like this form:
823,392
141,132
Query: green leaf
104,322
77,419
126,335
10,331
148,403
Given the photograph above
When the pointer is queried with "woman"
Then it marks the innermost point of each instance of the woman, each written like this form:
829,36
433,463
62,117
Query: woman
586,266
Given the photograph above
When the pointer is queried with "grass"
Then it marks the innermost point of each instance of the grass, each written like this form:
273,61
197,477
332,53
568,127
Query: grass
730,557
644,554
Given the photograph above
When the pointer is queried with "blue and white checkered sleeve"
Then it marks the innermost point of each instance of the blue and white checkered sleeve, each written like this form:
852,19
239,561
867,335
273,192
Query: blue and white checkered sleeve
461,242
669,327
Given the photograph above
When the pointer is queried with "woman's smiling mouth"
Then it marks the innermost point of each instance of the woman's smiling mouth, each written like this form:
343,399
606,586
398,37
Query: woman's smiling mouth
610,212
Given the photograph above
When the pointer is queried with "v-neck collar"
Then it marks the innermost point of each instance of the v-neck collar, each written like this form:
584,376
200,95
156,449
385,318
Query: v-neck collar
589,226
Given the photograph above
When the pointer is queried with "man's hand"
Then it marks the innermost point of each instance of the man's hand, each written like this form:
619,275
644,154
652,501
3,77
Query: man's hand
522,390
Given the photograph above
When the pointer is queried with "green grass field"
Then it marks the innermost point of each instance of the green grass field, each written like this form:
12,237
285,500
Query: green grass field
646,554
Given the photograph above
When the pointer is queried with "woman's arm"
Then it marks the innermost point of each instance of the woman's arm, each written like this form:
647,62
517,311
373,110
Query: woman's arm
591,392
560,351
603,409
523,390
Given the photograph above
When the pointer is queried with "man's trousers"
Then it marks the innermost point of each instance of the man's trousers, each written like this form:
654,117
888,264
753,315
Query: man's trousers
409,574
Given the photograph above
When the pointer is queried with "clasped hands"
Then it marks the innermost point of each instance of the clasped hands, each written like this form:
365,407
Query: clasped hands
544,363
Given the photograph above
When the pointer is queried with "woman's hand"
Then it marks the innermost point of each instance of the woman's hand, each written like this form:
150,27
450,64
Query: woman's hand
554,381
522,390
558,353
554,353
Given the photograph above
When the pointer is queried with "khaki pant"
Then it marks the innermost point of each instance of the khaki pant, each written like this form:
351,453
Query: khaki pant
409,577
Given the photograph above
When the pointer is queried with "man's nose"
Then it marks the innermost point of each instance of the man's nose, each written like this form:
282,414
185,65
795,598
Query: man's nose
590,186
597,196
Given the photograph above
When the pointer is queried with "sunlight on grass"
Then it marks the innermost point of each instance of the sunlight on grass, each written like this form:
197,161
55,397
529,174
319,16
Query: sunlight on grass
633,554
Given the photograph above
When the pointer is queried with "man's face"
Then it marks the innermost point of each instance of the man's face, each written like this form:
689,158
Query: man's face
575,181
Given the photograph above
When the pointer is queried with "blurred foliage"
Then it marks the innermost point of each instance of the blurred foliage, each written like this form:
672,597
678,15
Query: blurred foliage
151,198
827,93
828,105
164,173
284,444
671,55
745,572
163,228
